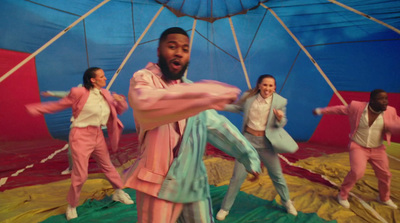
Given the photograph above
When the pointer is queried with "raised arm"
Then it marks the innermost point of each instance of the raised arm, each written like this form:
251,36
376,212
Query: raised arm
51,107
57,94
336,110
154,106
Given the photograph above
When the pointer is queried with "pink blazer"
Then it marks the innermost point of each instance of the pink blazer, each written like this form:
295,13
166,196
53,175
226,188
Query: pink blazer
156,108
355,109
77,99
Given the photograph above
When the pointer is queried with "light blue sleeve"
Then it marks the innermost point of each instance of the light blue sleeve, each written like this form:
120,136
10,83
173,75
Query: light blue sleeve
58,94
222,134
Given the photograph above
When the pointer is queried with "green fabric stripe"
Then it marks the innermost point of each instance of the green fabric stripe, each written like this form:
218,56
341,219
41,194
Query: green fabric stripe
247,208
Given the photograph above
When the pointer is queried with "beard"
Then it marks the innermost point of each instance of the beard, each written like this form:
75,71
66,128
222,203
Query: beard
168,75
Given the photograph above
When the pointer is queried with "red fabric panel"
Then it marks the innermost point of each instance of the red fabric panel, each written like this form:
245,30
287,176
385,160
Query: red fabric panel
19,89
394,101
334,129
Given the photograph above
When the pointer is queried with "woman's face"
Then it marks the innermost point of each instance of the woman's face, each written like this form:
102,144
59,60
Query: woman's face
267,87
100,80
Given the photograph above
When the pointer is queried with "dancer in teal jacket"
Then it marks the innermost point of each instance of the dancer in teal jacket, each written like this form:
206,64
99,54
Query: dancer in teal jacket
263,122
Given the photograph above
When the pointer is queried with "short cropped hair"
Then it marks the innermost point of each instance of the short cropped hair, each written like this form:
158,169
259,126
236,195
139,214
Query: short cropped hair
375,92
172,30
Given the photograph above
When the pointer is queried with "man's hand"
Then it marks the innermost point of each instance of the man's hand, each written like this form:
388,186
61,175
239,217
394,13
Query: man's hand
316,111
255,177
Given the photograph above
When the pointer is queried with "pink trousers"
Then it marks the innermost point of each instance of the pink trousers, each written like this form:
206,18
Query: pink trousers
85,142
377,157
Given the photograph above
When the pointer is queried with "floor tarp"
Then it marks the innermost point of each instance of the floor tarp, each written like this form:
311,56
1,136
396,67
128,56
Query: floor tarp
34,190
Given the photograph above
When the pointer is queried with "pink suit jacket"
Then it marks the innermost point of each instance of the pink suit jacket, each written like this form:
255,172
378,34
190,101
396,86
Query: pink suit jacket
156,109
77,99
354,111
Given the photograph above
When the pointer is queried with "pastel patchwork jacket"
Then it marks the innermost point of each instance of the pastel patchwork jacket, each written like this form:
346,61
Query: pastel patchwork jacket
281,141
157,109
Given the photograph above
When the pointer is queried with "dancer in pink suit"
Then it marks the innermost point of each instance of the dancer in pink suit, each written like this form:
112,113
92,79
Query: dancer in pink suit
369,122
92,108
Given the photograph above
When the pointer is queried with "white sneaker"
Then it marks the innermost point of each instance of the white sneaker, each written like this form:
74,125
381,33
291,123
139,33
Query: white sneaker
121,196
221,215
71,213
388,203
290,208
66,171
344,202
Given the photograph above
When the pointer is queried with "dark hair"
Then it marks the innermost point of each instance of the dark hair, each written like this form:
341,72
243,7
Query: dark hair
89,73
172,30
374,93
255,90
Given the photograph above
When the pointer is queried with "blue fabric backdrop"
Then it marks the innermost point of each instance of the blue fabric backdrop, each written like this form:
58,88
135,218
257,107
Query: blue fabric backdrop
356,54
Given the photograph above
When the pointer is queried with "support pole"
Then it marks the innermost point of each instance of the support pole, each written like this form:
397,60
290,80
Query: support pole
365,15
51,41
307,53
133,48
191,41
240,53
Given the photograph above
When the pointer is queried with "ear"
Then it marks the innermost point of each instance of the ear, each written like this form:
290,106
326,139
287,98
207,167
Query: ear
93,80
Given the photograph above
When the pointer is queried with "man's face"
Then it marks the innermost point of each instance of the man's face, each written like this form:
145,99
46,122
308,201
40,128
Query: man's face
173,56
380,102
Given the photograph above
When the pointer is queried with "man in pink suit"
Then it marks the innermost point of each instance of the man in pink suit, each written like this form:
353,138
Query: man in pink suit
92,108
175,118
369,122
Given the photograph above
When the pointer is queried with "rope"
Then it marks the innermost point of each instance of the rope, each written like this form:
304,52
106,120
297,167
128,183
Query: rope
51,41
240,53
365,15
133,48
191,41
307,53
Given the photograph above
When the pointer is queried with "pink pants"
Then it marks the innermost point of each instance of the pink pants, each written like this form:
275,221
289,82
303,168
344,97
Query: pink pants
85,142
377,157
154,210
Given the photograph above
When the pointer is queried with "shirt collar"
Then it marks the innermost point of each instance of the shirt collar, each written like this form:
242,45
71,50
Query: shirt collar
96,91
265,100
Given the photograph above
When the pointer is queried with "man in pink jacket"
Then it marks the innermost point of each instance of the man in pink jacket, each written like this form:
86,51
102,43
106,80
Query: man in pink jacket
175,118
369,122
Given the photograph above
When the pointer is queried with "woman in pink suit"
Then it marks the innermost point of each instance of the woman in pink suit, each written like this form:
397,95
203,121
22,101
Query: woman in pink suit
369,122
92,108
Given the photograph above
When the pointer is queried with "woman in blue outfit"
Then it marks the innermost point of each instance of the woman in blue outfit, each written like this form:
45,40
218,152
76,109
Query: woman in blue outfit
263,122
